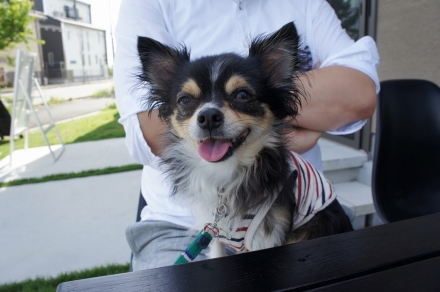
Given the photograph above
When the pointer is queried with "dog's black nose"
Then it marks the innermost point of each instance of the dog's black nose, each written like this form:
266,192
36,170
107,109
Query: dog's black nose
210,118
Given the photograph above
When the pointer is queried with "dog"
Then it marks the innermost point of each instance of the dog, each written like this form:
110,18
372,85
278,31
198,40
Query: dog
225,151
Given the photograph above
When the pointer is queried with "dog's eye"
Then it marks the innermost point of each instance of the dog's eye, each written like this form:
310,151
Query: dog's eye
184,99
243,95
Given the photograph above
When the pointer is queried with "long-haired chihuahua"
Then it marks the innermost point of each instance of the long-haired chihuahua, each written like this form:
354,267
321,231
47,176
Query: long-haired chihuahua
225,150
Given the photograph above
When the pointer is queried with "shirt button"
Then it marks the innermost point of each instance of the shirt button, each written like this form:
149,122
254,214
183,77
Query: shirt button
245,45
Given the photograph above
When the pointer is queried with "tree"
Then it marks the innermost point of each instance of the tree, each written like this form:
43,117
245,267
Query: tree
349,16
14,23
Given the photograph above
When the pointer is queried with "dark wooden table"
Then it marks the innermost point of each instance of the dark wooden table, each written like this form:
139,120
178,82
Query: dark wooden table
402,256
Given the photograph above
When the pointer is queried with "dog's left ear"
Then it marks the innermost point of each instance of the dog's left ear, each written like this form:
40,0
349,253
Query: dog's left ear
278,54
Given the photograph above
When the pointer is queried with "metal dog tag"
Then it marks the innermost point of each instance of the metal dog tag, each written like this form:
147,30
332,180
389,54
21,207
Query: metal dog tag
220,212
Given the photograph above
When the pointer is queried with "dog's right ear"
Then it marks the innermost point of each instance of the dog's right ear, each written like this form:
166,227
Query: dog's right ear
159,63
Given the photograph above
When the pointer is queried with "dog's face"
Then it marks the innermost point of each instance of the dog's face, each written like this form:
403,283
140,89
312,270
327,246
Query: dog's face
224,105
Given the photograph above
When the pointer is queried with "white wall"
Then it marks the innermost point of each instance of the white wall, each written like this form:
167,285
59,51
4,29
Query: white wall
56,8
408,39
91,42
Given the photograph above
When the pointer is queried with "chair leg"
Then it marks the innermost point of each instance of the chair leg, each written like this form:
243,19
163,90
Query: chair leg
369,220
142,203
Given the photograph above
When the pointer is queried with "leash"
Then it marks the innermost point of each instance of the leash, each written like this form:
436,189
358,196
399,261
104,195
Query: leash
203,239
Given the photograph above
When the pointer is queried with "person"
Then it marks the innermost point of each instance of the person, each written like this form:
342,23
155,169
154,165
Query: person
341,92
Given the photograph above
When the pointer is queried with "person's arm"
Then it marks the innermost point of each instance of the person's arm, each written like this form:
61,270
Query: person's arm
341,92
143,133
335,96
330,103
152,129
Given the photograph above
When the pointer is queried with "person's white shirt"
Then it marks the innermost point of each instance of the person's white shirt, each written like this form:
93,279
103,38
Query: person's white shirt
209,27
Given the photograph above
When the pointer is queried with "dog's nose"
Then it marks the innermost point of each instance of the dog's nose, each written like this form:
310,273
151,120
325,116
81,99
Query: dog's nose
210,119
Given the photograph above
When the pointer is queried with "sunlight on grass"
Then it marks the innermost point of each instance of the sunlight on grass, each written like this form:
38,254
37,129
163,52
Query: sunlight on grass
97,127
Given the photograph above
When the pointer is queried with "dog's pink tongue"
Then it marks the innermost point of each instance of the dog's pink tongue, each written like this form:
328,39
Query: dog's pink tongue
214,149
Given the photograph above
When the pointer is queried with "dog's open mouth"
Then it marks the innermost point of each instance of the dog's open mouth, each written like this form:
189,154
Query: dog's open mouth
218,149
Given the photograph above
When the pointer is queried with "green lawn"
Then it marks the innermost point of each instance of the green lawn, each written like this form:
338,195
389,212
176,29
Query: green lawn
62,176
97,127
50,284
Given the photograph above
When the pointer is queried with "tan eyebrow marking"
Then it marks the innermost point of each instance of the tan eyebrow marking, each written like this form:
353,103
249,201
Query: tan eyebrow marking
191,87
236,81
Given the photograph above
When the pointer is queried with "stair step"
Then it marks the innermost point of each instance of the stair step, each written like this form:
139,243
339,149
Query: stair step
337,156
356,196
340,163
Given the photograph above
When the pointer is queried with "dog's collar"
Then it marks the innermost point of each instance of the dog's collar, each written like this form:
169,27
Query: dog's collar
205,236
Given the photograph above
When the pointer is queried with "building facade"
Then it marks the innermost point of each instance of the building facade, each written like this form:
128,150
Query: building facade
74,49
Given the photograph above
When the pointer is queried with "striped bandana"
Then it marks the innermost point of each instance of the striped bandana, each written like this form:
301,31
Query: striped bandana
313,194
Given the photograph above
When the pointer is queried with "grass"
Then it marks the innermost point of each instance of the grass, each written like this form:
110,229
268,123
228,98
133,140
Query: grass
97,127
50,284
62,176
56,100
104,93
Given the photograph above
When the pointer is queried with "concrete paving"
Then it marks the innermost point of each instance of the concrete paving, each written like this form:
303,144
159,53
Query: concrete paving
77,90
71,109
37,162
69,225
60,226
66,91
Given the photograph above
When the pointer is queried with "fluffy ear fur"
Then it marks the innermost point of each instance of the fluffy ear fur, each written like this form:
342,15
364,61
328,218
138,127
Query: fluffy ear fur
280,58
278,54
159,64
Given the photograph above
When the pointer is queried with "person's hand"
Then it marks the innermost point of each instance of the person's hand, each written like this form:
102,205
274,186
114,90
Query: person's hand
300,140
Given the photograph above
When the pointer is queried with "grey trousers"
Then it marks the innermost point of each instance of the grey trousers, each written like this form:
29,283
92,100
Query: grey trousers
158,243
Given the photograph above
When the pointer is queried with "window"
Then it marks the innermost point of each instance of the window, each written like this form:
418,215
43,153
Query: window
358,17
71,12
348,13
96,58
90,62
50,58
